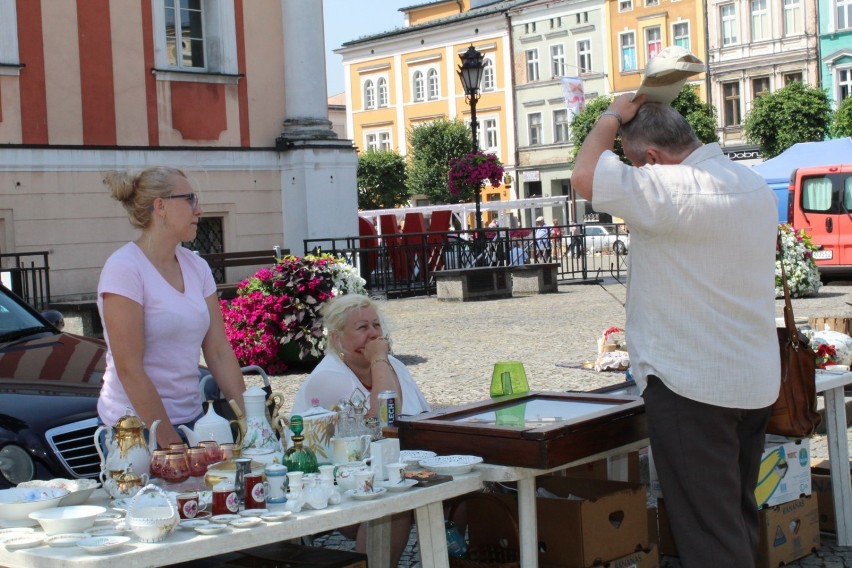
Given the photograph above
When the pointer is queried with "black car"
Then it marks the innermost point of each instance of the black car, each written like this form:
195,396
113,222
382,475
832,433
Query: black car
49,385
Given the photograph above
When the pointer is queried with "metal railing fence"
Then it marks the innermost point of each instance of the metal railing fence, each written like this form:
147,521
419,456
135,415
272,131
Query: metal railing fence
403,264
27,275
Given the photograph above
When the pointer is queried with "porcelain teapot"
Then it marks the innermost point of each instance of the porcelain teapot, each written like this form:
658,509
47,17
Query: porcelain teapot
124,484
257,431
126,445
211,426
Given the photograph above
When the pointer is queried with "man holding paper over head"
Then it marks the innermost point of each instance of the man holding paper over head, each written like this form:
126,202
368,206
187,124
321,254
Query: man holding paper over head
700,307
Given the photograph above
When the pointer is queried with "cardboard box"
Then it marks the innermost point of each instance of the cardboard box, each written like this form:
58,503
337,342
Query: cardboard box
821,485
785,472
591,521
665,539
648,558
788,532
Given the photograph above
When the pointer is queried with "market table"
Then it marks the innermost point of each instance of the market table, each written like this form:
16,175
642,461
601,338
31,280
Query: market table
184,545
832,384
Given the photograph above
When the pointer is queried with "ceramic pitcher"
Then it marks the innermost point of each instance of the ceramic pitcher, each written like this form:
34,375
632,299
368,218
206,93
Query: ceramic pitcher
258,431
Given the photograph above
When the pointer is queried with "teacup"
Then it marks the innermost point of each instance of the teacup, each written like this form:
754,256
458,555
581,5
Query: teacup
345,474
350,449
396,472
364,481
187,505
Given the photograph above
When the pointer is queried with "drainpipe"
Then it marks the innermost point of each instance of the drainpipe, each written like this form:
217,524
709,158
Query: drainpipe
514,102
707,82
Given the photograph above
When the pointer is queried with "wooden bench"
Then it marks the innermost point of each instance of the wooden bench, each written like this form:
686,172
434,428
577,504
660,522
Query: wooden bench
479,283
245,258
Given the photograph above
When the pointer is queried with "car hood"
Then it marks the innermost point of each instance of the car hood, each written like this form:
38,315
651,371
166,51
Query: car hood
60,363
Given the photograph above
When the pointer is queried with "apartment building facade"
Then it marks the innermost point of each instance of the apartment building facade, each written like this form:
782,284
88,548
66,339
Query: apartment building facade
96,85
835,45
757,47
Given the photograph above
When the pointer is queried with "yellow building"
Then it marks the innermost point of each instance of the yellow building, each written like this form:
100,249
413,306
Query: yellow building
406,77
639,29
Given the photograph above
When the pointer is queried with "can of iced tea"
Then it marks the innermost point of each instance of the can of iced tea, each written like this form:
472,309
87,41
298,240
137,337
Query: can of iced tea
387,408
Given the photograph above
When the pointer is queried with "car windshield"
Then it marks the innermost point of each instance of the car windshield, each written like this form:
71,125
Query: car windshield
16,321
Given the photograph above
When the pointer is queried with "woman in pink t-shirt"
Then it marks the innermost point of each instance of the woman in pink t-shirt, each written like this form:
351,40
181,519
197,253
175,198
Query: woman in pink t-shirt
159,309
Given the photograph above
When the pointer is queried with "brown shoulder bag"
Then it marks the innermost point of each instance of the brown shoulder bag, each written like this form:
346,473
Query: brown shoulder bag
794,413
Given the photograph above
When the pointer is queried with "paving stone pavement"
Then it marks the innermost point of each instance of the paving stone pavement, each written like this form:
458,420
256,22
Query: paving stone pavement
451,348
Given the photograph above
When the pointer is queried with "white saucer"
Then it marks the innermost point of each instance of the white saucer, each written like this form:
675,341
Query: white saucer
67,539
253,512
23,541
396,487
105,531
246,522
223,519
275,516
367,496
101,544
211,529
189,524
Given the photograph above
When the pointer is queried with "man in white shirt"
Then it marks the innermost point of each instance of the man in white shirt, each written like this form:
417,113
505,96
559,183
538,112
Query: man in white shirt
700,316
542,241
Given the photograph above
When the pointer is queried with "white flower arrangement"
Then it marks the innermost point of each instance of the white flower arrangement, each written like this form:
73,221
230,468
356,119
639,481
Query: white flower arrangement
797,256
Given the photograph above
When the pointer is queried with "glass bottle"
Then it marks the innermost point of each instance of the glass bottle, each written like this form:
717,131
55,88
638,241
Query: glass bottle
297,457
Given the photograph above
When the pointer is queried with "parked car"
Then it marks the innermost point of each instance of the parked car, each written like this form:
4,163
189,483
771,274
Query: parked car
49,385
599,238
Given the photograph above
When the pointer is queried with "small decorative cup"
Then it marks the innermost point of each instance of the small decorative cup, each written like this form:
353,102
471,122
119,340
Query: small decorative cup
211,448
255,491
187,505
228,451
158,460
197,461
225,500
396,472
364,481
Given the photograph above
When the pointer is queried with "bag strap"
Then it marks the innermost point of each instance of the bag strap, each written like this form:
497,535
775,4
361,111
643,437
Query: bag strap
789,319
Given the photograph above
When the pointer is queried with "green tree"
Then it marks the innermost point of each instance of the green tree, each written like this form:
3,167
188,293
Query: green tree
700,115
796,113
842,125
381,180
432,146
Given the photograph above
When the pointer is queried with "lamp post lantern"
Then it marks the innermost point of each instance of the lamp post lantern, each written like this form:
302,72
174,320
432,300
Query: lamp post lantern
470,73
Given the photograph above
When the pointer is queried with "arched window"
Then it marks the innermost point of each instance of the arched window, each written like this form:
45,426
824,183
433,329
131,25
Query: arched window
369,94
419,86
434,87
382,88
487,75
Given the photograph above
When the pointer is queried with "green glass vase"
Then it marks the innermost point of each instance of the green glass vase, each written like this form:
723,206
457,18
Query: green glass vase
508,377
298,457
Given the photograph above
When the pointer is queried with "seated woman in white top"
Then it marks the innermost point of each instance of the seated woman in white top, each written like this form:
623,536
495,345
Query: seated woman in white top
357,357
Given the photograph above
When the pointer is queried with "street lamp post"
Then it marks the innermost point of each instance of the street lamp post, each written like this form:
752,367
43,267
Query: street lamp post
470,73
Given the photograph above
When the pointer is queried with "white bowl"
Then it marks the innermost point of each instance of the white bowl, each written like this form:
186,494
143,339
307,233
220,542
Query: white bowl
18,502
451,465
73,519
80,489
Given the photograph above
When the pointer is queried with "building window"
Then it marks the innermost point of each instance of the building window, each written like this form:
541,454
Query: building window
561,126
418,85
759,20
9,53
792,78
557,60
488,141
376,141
534,124
529,28
184,34
843,14
382,91
628,51
652,3
653,42
434,86
584,55
487,74
731,95
369,94
556,22
793,17
582,18
680,35
532,65
844,84
625,5
759,86
729,24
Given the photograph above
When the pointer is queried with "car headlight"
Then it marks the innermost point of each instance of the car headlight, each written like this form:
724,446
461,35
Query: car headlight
16,465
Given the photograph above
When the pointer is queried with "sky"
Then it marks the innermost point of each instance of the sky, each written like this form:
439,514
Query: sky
346,20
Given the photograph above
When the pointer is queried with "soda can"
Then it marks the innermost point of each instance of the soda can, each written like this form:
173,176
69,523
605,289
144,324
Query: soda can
387,408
